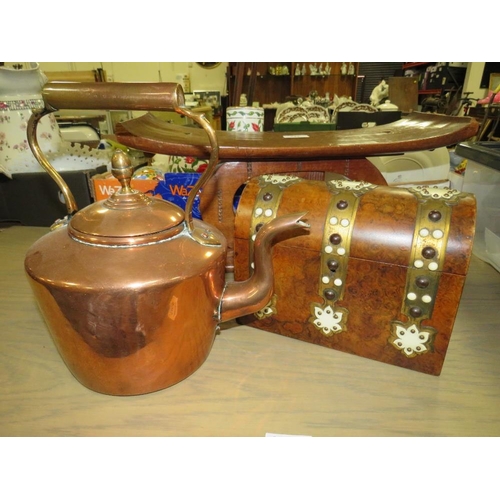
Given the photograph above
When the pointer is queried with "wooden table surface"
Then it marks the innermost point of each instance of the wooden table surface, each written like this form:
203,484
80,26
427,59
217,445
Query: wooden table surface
253,382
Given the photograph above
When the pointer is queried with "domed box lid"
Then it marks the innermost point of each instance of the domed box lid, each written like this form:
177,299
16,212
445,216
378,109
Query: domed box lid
128,217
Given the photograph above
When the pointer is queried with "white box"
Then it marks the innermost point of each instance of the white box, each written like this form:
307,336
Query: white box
483,180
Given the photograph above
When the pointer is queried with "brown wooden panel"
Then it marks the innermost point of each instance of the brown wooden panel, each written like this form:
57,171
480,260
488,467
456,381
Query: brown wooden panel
403,92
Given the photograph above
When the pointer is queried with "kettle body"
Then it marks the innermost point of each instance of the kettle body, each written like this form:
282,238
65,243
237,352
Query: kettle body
128,320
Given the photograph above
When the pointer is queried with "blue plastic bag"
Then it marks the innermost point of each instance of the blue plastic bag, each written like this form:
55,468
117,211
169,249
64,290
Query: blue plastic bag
175,187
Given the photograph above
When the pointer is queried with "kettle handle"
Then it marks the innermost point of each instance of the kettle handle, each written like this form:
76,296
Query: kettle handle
113,96
160,96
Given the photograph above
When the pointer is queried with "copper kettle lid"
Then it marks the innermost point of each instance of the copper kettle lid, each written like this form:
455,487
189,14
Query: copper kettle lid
128,217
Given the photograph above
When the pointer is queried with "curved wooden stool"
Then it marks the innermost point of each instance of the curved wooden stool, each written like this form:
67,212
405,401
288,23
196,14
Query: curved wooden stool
306,154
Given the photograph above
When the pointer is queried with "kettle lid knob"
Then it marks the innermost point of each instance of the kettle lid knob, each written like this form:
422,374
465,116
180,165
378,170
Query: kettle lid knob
122,170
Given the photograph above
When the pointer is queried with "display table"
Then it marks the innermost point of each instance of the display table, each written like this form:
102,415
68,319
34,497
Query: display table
253,382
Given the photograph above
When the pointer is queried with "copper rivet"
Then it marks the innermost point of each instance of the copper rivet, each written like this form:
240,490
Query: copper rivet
267,197
416,312
342,205
434,215
335,239
329,294
422,282
333,265
428,253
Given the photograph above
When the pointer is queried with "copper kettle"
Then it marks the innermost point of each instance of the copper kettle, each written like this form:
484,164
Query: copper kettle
133,288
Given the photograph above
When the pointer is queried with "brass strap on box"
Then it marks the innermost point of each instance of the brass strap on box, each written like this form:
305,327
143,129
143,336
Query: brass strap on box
335,249
265,209
430,238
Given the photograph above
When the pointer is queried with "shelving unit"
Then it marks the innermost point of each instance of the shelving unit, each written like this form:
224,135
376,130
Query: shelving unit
333,83
260,85
445,83
255,80
446,77
422,69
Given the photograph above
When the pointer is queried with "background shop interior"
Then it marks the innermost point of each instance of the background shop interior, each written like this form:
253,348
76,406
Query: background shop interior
450,87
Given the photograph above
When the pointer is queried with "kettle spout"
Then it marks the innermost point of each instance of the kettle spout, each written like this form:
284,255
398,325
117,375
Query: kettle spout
245,297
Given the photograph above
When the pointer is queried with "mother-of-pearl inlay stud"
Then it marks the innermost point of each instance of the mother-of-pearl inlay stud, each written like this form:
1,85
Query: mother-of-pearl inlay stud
341,251
333,221
337,282
411,296
438,234
258,211
325,279
268,212
344,222
328,249
418,263
433,266
424,232
427,299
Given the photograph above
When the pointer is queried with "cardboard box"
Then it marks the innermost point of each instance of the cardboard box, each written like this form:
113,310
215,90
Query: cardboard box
34,199
482,178
103,188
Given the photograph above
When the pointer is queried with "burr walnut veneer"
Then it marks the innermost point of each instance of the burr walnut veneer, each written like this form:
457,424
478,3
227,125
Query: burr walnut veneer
380,274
